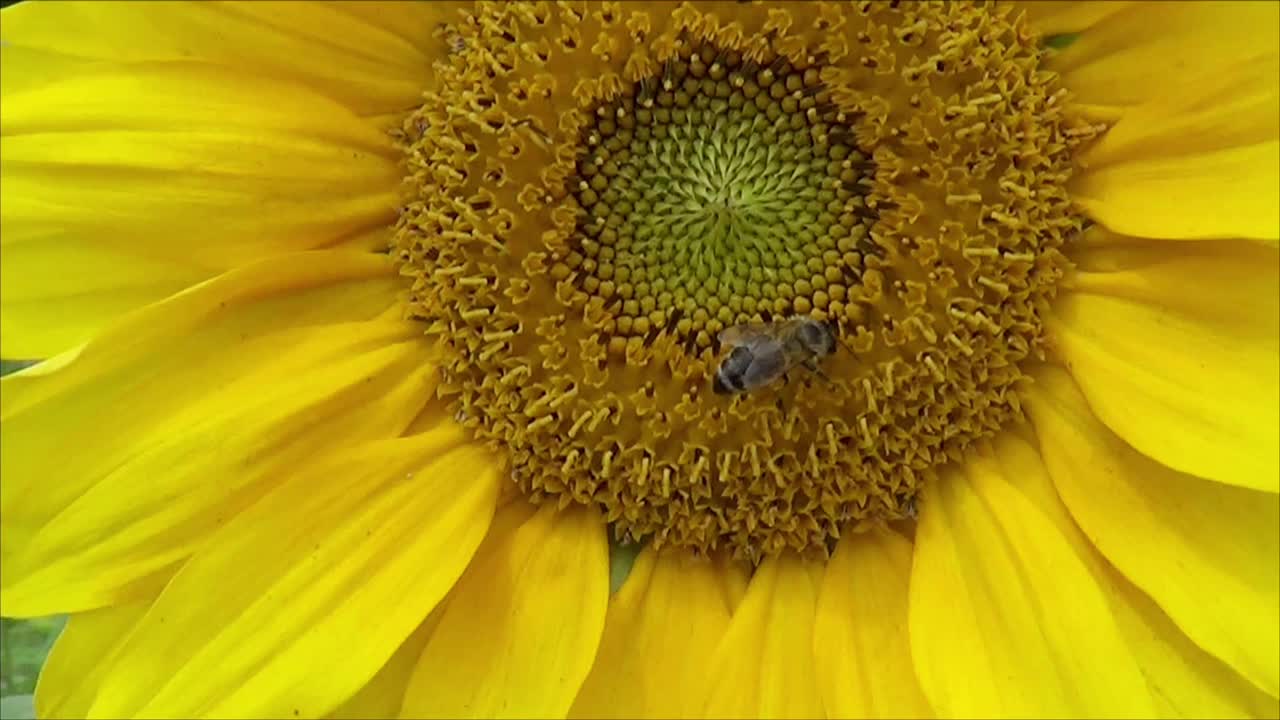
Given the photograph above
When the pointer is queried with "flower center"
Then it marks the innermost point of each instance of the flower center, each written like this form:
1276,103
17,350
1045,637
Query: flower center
716,191
847,216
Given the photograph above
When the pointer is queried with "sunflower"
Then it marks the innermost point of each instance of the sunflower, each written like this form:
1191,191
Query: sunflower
379,344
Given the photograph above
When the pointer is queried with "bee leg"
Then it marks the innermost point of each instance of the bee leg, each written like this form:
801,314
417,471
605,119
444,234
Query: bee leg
812,365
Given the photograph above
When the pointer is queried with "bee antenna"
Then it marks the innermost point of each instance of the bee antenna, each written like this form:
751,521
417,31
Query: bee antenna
835,333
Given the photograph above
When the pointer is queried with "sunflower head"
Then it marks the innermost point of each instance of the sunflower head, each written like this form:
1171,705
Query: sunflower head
596,194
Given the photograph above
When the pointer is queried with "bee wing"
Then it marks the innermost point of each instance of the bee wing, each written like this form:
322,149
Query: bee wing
744,333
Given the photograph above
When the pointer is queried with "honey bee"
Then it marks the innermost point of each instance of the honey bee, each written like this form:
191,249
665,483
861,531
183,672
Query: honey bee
764,352
910,506
452,39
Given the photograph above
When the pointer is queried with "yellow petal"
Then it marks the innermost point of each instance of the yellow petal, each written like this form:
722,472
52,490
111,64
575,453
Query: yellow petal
736,580
1053,17
180,414
1177,348
659,635
55,295
383,696
348,557
1184,681
1005,619
112,199
1221,194
520,631
373,57
860,635
1239,107
23,68
81,655
1145,49
1207,553
764,665
1200,160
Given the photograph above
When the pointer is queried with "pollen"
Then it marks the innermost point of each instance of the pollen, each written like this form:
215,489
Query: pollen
595,191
